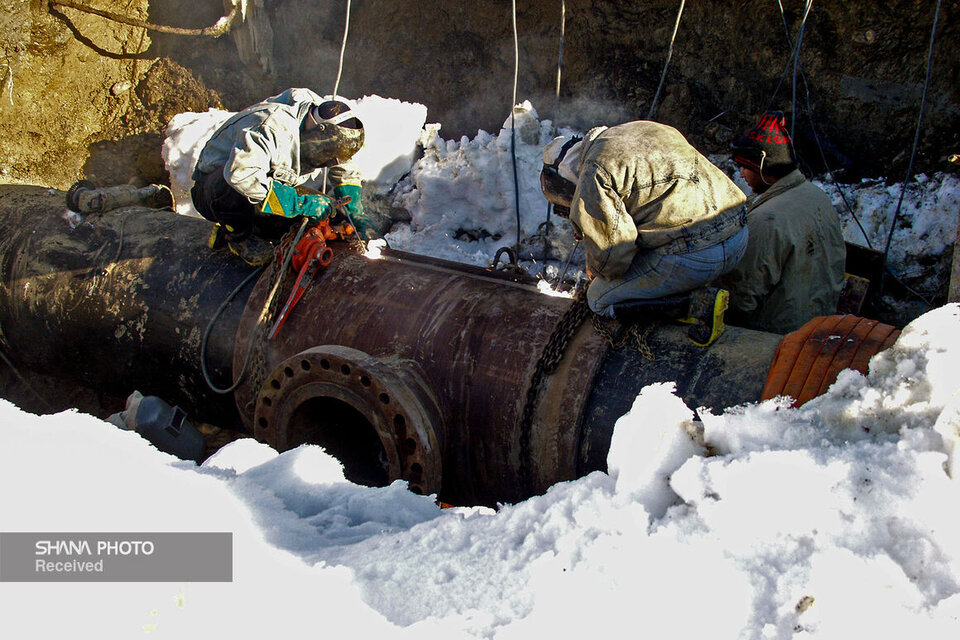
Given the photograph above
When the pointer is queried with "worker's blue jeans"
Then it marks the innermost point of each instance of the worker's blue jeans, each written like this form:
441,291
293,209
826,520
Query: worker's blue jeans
656,275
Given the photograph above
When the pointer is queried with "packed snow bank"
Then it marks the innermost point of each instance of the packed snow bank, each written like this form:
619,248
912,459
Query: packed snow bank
926,228
462,204
461,199
837,519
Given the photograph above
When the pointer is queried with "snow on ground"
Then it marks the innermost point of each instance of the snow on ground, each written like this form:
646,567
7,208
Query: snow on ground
835,520
926,227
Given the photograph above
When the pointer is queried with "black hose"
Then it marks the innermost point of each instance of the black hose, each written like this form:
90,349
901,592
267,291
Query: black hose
206,336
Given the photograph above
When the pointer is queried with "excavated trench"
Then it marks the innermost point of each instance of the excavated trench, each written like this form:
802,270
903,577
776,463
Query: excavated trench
86,97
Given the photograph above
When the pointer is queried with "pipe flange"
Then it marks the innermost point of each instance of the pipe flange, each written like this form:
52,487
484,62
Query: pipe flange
73,193
331,395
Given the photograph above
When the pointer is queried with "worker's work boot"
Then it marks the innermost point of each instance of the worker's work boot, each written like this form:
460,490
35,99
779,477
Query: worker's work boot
253,250
217,238
705,315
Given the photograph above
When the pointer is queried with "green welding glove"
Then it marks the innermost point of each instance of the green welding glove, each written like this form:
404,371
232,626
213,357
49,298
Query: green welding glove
354,209
284,201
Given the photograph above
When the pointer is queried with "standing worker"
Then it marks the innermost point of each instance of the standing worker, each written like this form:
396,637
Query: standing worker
656,217
794,266
247,175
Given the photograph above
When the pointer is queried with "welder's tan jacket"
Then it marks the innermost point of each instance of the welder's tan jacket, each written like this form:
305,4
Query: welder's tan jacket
794,266
642,186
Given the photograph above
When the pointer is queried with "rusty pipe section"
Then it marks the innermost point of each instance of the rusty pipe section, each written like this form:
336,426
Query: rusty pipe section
439,360
403,367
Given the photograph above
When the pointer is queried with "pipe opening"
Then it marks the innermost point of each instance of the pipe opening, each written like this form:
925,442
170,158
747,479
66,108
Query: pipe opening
345,434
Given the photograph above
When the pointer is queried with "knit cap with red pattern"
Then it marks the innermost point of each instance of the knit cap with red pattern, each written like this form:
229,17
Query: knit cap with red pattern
766,147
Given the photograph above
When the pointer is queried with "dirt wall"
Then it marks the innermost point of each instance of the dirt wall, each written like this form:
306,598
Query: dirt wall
83,96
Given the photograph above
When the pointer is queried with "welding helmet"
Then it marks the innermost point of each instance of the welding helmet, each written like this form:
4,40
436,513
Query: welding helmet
558,178
332,134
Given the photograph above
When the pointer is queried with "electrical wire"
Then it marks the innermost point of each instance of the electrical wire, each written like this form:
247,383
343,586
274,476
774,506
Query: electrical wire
663,75
563,21
916,136
343,48
513,123
336,84
813,128
209,329
255,334
16,372
556,116
794,51
796,66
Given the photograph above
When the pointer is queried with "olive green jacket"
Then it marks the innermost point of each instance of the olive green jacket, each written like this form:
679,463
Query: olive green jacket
794,266
642,186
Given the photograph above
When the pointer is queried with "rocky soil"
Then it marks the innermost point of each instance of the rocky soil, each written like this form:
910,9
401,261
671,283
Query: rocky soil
85,96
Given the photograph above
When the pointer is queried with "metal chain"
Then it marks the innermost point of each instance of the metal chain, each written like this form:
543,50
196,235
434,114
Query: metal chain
616,334
550,357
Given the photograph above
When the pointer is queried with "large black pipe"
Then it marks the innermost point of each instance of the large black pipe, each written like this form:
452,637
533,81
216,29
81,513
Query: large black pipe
117,301
403,367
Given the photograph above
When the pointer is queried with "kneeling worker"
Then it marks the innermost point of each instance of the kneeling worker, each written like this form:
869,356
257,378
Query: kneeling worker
794,266
656,217
247,173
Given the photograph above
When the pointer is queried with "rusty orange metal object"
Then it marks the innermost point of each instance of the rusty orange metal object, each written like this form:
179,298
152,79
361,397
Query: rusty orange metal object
309,255
809,360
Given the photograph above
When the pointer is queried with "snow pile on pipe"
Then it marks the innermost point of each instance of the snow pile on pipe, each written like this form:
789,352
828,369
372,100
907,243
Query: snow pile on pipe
463,201
186,135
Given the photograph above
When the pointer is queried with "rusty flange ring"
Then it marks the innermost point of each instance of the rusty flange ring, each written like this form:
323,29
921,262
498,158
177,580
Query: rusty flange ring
391,398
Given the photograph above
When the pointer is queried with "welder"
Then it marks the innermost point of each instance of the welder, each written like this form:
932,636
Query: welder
251,174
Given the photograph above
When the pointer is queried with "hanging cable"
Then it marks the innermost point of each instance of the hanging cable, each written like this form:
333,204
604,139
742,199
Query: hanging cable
813,129
209,329
17,373
343,48
795,48
336,84
556,118
796,66
556,104
823,159
663,76
916,140
513,124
